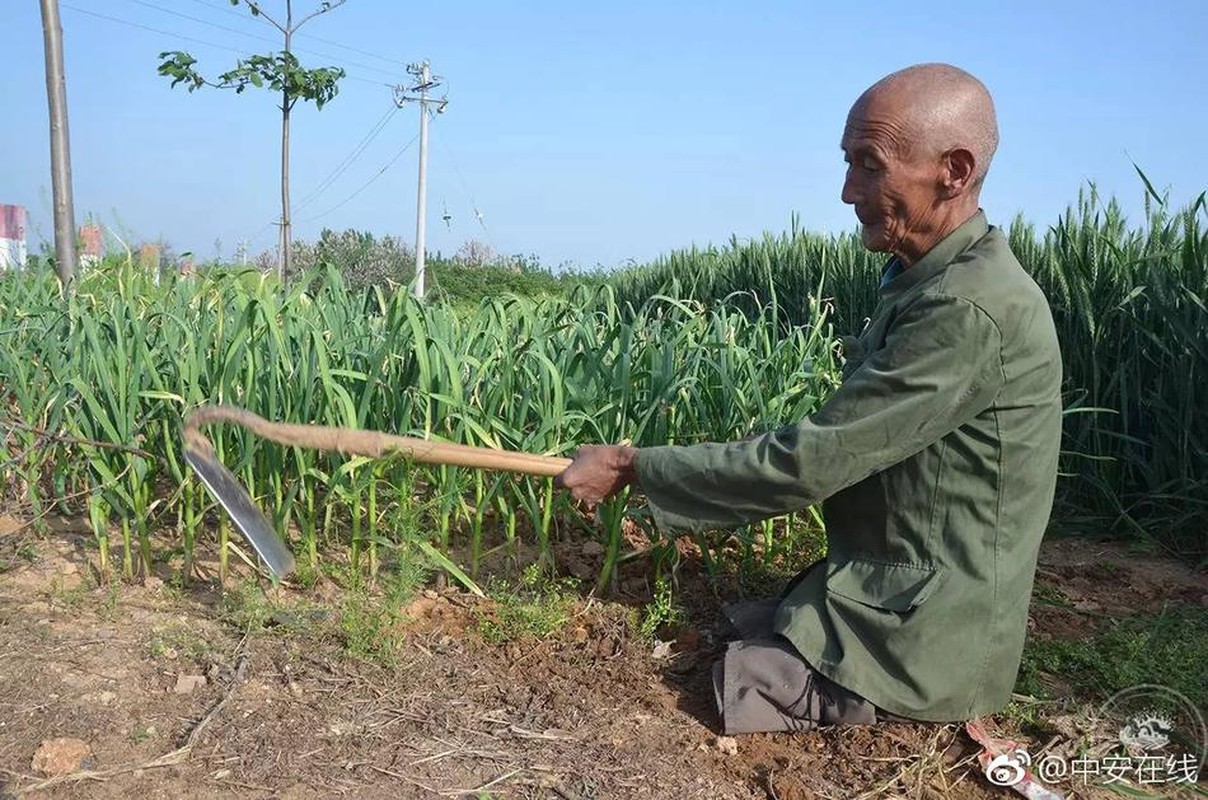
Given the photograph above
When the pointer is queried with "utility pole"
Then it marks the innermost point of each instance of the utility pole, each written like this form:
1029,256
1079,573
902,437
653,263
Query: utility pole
425,81
60,151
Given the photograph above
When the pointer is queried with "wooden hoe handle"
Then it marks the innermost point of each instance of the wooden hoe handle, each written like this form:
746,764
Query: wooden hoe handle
373,444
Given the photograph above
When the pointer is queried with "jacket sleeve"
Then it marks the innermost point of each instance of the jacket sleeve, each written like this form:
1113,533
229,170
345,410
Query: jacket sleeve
940,366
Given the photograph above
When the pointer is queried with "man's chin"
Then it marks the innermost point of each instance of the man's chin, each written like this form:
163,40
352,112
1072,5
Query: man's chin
874,238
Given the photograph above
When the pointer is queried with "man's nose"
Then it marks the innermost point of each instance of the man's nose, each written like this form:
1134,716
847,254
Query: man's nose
849,194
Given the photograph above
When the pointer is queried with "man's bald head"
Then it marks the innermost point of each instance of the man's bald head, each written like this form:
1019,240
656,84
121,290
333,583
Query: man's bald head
918,145
942,108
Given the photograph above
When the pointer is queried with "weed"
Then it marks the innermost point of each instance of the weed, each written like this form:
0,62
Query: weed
1166,648
371,617
246,607
371,630
179,642
307,576
1049,595
107,609
534,609
1027,715
70,596
174,588
661,612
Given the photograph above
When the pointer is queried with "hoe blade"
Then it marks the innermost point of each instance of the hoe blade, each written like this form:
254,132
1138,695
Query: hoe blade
250,520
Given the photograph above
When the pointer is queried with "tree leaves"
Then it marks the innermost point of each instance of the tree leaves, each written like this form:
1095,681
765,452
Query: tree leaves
280,72
179,67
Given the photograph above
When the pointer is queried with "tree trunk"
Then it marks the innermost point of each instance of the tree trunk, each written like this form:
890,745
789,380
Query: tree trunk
60,149
283,260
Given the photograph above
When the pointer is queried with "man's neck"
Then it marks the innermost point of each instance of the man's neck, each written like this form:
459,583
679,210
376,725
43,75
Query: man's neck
913,248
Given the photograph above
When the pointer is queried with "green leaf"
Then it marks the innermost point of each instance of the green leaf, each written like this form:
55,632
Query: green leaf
445,563
156,394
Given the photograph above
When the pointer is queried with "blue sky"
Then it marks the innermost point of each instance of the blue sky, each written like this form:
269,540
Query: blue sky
590,134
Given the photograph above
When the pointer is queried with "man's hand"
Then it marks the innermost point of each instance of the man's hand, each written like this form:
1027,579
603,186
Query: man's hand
598,472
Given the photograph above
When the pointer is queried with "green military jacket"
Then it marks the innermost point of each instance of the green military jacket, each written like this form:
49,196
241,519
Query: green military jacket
936,463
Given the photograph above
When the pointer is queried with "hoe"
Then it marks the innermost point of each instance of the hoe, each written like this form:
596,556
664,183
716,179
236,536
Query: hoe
251,521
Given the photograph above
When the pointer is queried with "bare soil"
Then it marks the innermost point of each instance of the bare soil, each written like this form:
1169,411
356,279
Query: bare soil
588,712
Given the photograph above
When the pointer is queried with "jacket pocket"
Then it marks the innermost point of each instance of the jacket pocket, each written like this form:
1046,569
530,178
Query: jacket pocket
892,587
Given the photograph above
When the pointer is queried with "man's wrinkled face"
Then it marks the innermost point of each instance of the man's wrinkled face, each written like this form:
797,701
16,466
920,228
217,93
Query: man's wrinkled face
892,185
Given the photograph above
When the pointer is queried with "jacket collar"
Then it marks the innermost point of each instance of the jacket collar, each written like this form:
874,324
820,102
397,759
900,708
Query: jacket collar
896,280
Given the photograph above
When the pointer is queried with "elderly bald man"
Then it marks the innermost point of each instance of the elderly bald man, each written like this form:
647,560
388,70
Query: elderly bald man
935,460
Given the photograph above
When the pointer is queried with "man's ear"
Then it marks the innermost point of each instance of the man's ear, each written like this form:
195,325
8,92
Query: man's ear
957,176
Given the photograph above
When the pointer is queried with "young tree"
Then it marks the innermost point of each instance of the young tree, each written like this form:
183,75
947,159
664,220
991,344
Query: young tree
280,72
475,253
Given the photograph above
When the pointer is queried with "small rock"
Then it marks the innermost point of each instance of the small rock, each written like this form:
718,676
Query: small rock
153,582
222,773
60,756
68,569
661,649
285,618
727,745
186,684
430,594
107,698
579,634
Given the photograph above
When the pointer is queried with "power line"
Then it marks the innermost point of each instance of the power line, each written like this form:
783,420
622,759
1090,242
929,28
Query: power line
448,152
260,232
161,32
367,183
353,49
343,166
202,21
226,9
149,28
229,29
229,10
331,177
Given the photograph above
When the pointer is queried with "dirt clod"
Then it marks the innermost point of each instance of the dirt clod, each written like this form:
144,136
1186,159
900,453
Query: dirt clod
61,756
187,684
727,745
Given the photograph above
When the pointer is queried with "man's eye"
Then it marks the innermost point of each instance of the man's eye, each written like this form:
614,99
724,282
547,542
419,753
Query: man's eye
870,164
